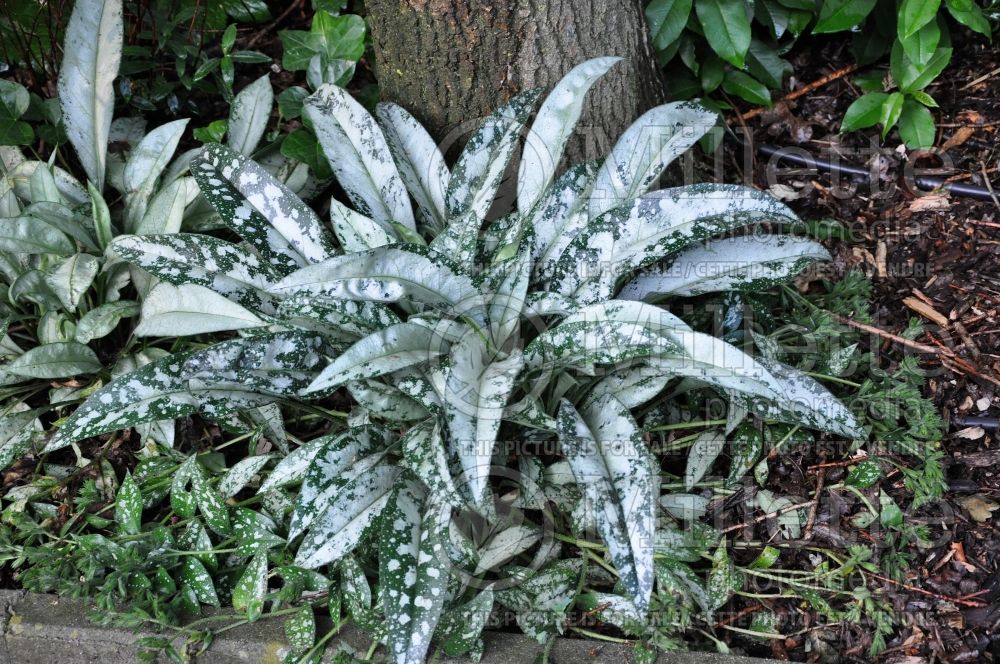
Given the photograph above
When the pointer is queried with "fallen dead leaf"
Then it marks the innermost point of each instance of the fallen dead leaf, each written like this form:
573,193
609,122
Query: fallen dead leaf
980,507
930,202
961,135
984,403
971,433
880,254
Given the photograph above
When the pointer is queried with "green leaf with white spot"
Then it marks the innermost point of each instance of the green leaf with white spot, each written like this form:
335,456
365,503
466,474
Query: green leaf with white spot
413,571
186,259
237,477
339,529
197,577
746,445
356,232
128,506
300,630
425,456
610,461
460,628
210,504
750,263
261,209
359,156
723,579
231,375
248,595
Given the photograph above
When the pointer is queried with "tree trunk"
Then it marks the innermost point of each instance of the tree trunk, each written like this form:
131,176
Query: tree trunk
452,62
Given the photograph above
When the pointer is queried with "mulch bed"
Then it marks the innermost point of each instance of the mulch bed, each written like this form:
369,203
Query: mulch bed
934,257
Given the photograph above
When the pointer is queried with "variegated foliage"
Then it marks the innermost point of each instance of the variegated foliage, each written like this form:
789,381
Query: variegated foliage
450,326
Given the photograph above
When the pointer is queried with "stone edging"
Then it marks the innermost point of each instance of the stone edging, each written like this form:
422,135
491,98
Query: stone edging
45,629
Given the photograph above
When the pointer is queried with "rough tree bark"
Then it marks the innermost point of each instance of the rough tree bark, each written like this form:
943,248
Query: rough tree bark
451,62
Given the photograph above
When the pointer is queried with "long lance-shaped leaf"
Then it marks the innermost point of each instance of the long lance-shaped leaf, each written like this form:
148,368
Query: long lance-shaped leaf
507,287
359,156
385,274
178,311
93,51
561,213
645,149
229,376
646,229
145,165
609,459
804,402
355,231
425,456
229,270
339,530
249,114
555,121
606,333
345,318
741,263
261,209
413,571
476,392
421,164
325,475
391,349
477,175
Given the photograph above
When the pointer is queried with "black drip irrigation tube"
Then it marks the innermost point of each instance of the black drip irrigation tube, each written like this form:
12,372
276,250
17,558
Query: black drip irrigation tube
798,157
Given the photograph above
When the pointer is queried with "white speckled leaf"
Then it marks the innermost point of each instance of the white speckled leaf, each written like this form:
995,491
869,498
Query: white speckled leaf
339,460
386,401
477,173
505,545
391,349
385,274
346,319
606,333
359,156
92,53
249,114
261,209
178,311
552,127
339,529
804,401
461,627
197,577
421,164
706,449
644,230
128,506
506,286
645,149
750,263
476,391
231,375
355,231
237,477
609,459
561,213
293,467
425,456
183,259
145,164
28,235
413,571
248,594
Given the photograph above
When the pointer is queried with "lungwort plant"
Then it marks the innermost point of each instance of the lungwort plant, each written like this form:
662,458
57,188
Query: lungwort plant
494,363
64,299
